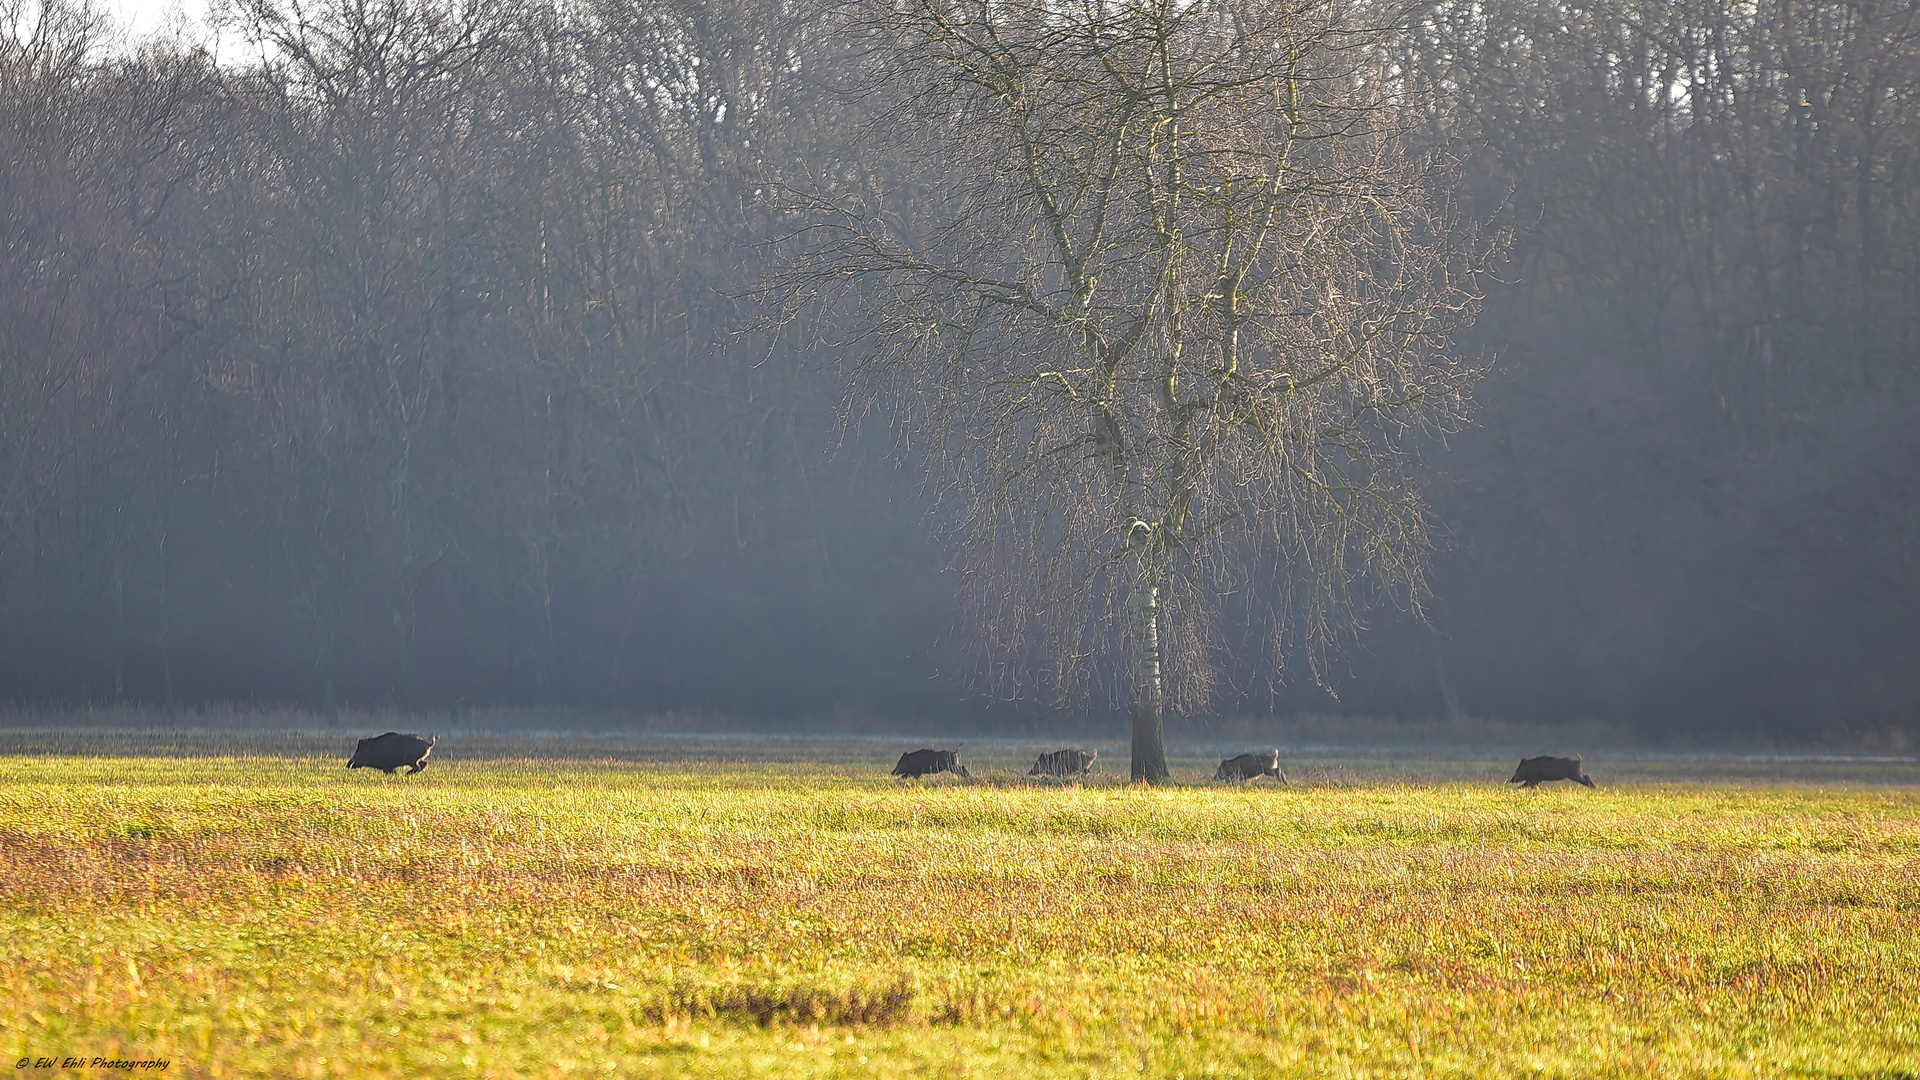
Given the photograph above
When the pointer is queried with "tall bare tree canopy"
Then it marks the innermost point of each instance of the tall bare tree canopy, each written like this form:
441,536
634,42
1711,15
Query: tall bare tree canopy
1170,309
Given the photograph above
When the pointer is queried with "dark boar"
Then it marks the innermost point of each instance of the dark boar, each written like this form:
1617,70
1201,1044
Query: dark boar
1249,766
1063,763
1535,770
391,751
926,762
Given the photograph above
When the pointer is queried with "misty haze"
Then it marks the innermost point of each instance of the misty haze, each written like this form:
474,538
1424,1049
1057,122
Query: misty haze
910,538
423,356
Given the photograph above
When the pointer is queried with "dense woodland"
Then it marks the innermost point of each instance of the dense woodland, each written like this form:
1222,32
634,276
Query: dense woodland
409,352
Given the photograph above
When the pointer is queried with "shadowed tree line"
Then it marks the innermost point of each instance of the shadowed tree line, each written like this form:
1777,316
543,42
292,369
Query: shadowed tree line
401,356
1691,498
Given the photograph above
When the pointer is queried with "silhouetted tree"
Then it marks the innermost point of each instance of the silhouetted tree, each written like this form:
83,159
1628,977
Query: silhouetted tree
1171,319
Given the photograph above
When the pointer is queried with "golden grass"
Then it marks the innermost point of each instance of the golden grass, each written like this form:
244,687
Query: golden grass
259,915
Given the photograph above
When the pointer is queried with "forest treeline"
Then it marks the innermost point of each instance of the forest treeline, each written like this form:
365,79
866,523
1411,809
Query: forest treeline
405,353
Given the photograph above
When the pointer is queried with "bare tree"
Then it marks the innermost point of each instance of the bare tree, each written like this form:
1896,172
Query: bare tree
56,257
1166,299
372,103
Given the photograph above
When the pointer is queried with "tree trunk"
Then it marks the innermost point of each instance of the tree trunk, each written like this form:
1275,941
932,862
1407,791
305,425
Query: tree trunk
166,626
1149,732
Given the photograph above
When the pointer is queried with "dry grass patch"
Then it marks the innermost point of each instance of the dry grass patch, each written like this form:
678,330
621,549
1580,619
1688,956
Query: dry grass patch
508,917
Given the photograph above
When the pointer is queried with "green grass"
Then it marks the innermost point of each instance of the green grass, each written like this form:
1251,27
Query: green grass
243,910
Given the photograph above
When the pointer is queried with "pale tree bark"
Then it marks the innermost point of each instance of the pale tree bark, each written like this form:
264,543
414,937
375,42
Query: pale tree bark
1149,758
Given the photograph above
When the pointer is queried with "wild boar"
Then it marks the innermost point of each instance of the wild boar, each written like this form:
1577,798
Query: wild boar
1063,763
915,763
390,751
1250,766
1535,770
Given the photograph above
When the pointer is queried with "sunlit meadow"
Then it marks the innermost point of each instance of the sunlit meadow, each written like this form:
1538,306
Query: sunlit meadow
254,909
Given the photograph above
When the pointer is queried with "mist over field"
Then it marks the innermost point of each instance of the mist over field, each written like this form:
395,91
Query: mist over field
418,355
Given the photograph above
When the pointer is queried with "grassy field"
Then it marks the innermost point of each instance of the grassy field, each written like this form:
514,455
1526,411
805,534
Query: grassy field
242,906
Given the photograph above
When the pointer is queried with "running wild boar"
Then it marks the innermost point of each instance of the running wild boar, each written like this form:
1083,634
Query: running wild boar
916,763
391,751
1063,763
1535,770
1249,766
